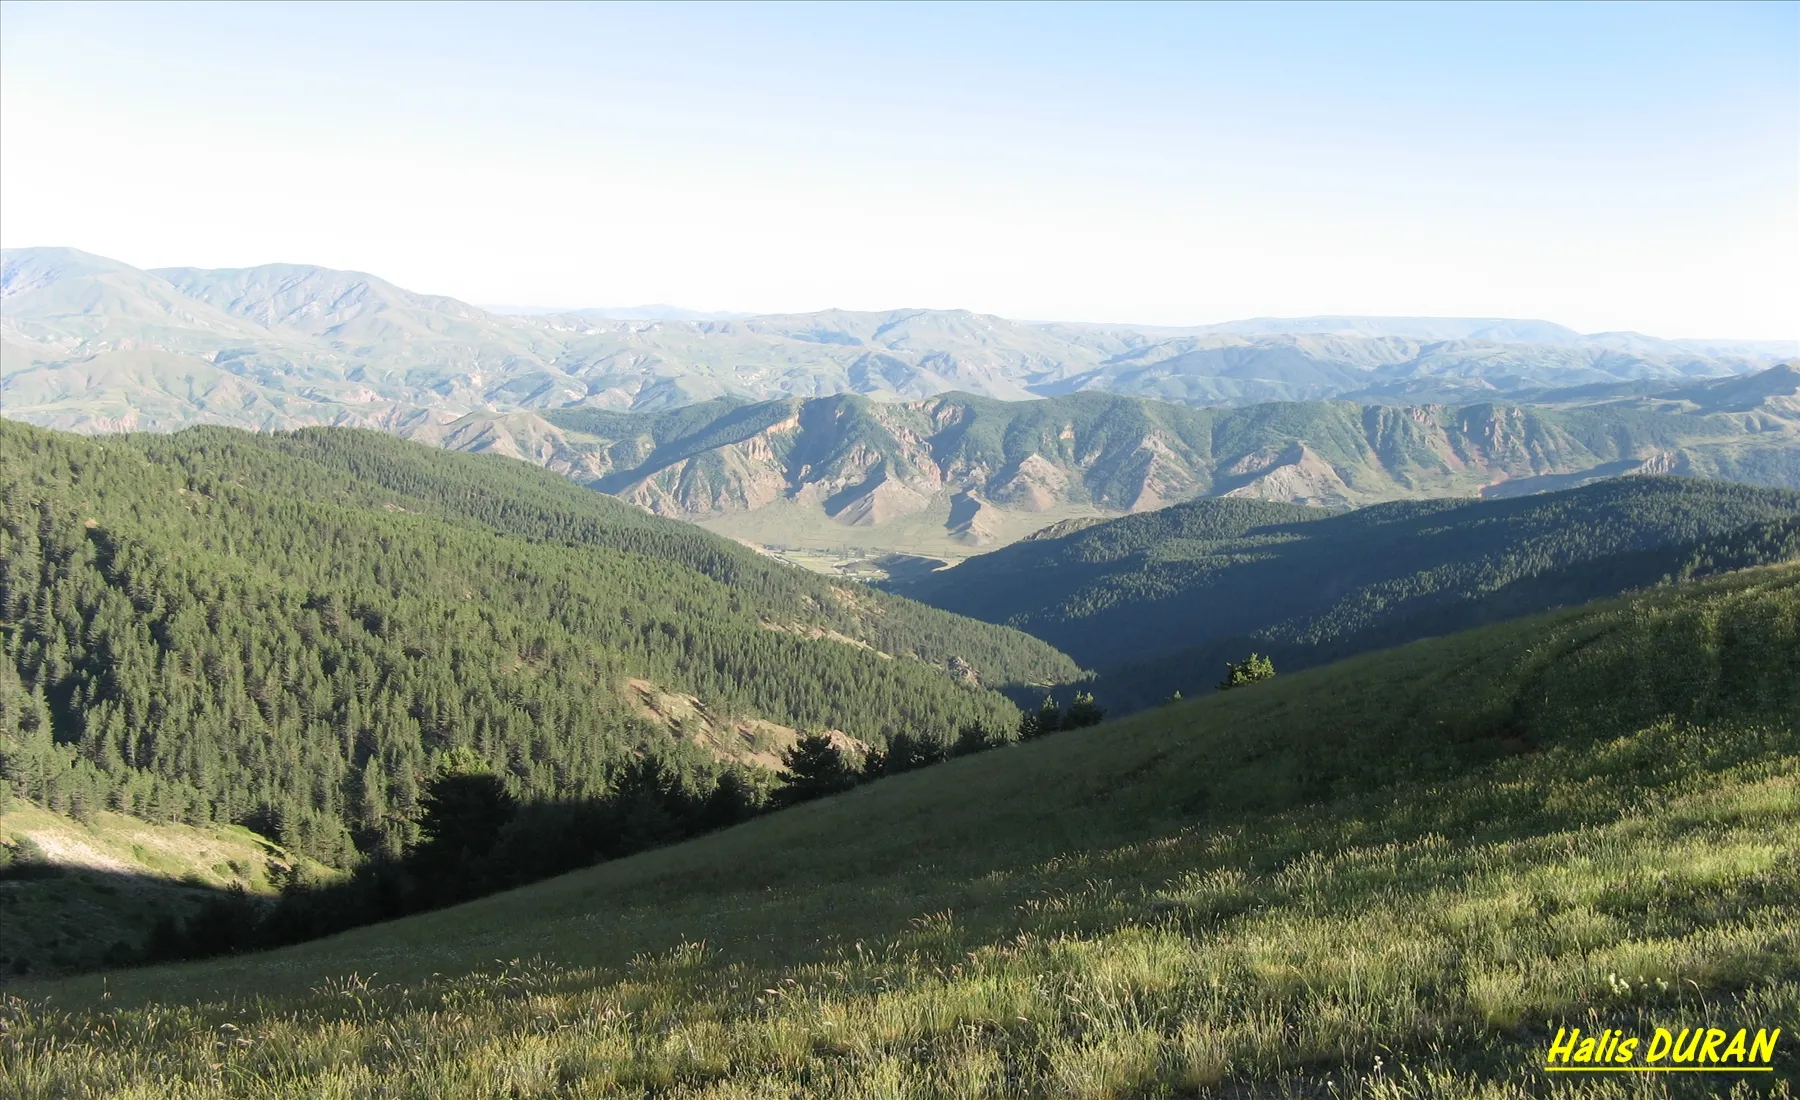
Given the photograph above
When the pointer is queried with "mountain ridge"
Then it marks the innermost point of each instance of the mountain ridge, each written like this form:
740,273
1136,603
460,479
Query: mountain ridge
95,344
956,473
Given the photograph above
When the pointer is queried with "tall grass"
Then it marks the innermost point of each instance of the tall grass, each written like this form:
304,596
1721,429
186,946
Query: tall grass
1395,876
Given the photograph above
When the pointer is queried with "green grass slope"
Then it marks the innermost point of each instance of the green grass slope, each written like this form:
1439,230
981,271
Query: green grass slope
78,895
1393,876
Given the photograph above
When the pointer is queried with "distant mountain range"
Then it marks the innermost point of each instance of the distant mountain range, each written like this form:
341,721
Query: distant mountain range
91,344
954,474
654,312
882,430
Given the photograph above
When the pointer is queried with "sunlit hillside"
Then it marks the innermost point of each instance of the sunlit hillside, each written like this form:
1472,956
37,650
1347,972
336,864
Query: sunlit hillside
1392,876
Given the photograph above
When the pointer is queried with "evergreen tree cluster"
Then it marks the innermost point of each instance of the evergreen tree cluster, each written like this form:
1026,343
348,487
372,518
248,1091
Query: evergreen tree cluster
1252,669
297,631
1050,718
817,766
475,838
1157,601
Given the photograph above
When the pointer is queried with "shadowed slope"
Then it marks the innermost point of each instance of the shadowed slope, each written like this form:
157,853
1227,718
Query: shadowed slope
1244,574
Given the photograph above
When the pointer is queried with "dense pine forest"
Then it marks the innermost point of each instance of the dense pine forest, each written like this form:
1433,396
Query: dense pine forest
1161,601
295,630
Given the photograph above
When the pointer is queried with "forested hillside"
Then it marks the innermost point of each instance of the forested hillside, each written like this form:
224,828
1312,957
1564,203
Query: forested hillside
290,630
1396,877
1179,592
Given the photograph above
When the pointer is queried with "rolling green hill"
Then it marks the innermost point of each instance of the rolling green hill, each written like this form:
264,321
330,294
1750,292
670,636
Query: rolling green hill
1395,876
291,630
1179,592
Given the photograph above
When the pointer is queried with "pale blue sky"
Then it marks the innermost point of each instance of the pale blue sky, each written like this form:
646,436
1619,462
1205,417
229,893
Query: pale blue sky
1607,166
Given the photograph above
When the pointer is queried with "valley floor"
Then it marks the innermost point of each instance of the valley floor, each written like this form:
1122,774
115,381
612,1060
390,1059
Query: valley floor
808,537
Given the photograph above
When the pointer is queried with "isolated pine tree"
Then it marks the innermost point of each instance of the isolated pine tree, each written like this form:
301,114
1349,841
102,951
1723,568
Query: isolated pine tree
1029,727
732,800
1083,712
646,805
463,810
815,768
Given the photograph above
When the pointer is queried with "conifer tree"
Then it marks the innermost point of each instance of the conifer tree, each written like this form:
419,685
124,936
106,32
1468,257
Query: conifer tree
874,765
815,768
1083,712
1029,727
463,809
972,739
907,751
732,800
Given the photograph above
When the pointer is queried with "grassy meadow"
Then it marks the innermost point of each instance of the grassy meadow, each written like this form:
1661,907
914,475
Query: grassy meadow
1393,876
76,894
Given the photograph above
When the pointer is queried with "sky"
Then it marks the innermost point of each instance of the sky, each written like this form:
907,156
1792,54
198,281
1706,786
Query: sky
1607,166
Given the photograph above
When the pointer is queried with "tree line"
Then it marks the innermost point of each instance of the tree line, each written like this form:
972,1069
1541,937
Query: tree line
476,838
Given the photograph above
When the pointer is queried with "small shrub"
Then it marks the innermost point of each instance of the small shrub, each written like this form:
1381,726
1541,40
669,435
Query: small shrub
1252,669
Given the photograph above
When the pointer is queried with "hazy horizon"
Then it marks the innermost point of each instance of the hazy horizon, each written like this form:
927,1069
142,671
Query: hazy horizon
1607,168
729,314
670,311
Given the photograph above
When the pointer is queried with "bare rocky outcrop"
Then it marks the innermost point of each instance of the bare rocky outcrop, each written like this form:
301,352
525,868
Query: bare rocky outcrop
748,741
1036,485
876,501
974,521
1296,476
